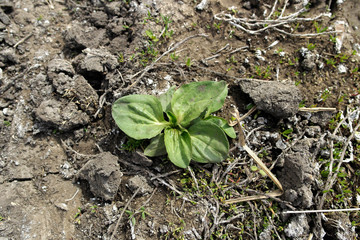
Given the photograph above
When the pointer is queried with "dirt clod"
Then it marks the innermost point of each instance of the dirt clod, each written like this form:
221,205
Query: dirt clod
278,99
102,172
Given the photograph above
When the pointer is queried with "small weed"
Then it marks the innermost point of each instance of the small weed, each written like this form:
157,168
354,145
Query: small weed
94,209
331,62
2,218
332,38
302,104
78,215
261,73
173,56
151,35
231,60
131,217
311,46
324,95
7,123
121,58
217,25
131,145
286,133
188,62
319,29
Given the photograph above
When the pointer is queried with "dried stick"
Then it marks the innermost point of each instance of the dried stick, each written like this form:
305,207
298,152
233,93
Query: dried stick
122,213
272,10
322,211
148,68
316,109
253,155
23,39
331,180
67,200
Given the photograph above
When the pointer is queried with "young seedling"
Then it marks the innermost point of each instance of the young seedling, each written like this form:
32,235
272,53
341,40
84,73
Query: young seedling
188,131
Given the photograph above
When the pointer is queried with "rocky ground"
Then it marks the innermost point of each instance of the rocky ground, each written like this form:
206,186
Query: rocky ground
68,172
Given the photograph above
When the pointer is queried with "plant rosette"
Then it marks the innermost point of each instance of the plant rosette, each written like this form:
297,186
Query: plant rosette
178,122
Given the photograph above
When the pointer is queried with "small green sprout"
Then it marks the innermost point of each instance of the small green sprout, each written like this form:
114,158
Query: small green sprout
311,46
131,217
7,123
287,133
188,62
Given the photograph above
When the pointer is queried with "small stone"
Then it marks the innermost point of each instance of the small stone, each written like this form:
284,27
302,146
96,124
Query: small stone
297,227
139,182
62,206
202,5
261,120
280,144
325,153
342,68
140,159
312,131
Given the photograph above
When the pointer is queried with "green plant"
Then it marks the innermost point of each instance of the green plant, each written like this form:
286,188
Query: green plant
311,46
178,122
333,38
121,58
263,74
7,123
319,29
131,145
2,218
286,133
188,62
93,208
151,35
331,62
173,56
131,216
217,25
166,22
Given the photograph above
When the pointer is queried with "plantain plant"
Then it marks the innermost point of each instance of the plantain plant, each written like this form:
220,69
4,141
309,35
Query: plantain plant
178,122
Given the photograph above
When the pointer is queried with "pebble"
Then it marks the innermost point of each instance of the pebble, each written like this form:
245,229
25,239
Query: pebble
342,68
280,144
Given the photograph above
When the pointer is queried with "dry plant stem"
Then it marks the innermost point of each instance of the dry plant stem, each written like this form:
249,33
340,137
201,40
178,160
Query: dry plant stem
122,213
194,178
68,200
144,71
162,181
254,216
317,109
271,221
283,10
247,25
322,211
72,150
272,10
23,40
331,180
253,155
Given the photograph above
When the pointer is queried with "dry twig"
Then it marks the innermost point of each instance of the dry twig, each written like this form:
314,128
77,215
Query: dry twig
122,213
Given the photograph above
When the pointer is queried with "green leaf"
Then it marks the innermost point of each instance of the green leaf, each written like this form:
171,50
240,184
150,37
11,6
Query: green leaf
218,102
209,142
139,116
222,123
165,99
178,146
193,99
172,119
156,146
